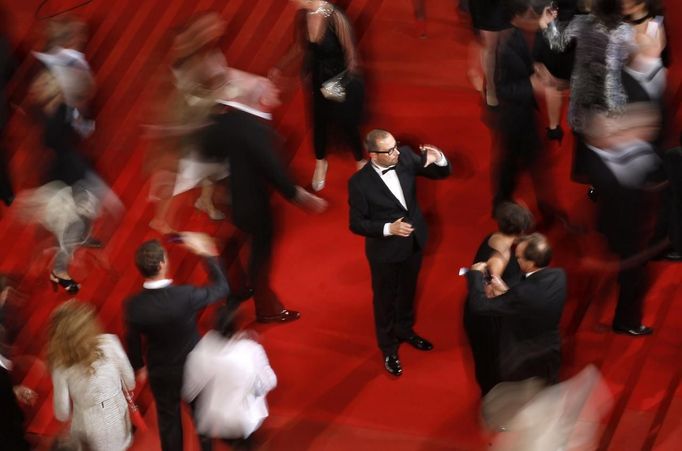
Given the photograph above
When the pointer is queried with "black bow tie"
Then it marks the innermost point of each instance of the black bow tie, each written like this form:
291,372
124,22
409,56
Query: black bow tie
384,171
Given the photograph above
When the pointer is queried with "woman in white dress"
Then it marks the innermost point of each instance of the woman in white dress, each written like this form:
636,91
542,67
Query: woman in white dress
89,369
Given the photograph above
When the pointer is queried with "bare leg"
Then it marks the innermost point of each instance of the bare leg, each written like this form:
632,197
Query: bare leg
488,54
160,220
205,201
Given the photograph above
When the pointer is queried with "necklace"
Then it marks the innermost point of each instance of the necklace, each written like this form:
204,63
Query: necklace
325,10
633,21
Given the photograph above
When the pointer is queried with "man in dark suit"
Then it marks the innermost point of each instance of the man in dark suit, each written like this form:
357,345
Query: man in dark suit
530,312
517,81
165,315
383,208
241,133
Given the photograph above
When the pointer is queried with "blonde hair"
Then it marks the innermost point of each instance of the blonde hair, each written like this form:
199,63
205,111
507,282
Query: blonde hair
74,336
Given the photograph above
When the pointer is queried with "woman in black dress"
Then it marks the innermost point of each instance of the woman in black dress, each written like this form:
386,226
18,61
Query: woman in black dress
325,38
489,18
497,250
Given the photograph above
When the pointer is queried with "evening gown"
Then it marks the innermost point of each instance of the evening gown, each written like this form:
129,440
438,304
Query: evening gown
483,331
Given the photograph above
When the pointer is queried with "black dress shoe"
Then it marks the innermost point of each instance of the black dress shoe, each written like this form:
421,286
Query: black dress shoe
592,193
240,296
555,134
673,256
93,243
634,331
392,364
282,317
419,342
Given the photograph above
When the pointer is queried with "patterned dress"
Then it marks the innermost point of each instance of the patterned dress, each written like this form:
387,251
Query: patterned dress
100,417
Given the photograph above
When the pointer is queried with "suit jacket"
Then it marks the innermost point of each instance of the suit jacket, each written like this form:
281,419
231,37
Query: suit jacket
372,205
167,318
251,146
530,312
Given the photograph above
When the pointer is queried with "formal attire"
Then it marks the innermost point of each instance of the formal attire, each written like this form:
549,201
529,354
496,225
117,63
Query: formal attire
483,331
377,199
11,415
488,15
251,146
165,315
100,420
596,80
229,378
331,54
529,323
623,212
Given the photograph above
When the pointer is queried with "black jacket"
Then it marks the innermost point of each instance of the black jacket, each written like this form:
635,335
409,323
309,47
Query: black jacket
530,311
372,205
251,146
167,318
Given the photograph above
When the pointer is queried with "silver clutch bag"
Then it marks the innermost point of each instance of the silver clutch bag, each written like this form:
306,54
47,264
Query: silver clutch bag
334,89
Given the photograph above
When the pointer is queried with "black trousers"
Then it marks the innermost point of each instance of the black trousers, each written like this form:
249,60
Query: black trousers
394,286
261,239
166,387
633,285
483,333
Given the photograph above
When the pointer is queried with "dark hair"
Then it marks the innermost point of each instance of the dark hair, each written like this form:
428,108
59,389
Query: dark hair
148,258
609,12
373,137
513,219
537,249
653,7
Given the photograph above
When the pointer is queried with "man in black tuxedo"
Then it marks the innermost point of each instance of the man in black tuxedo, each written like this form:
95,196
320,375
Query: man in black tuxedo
165,315
241,133
530,312
383,208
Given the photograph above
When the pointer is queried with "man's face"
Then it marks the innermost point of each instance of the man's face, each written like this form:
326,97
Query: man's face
525,265
387,152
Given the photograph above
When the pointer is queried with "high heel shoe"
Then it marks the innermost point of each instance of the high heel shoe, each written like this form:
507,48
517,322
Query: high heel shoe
319,175
69,285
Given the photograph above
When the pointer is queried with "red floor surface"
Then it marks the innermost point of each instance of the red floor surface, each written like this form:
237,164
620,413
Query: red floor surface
333,393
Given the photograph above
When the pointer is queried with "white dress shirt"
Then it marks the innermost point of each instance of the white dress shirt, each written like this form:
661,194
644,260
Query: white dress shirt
391,180
156,284
246,108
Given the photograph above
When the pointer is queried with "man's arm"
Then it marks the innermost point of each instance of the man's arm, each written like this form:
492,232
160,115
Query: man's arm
218,288
503,305
133,342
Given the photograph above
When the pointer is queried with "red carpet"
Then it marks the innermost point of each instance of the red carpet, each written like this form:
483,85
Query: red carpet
333,393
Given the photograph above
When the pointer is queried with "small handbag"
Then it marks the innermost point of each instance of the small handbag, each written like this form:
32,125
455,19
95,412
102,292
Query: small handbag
334,89
135,415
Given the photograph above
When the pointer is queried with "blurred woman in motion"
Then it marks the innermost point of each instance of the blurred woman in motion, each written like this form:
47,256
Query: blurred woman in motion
89,370
227,376
324,37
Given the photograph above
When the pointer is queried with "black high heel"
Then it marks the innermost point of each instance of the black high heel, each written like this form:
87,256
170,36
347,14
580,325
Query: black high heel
556,134
70,285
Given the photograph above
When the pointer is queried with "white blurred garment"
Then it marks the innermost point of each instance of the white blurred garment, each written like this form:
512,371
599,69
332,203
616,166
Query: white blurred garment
631,162
229,379
100,416
562,417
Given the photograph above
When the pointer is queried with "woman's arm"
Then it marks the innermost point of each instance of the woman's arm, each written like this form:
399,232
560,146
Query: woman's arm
60,395
344,32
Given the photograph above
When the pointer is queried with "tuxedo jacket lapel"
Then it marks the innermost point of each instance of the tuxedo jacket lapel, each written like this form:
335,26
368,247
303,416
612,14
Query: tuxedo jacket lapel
382,186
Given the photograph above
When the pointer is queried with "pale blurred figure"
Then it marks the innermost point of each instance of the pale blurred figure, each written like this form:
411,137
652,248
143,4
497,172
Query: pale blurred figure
563,417
228,376
89,370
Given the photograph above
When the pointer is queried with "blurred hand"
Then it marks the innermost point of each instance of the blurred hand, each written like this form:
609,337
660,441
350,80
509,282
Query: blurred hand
309,201
400,228
25,395
432,153
548,16
480,267
199,243
498,286
537,83
141,376
545,76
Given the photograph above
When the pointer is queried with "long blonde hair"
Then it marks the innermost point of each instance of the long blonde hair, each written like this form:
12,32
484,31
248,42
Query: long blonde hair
74,336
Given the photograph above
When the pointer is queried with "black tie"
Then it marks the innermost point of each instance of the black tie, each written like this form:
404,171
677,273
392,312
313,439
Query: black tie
384,171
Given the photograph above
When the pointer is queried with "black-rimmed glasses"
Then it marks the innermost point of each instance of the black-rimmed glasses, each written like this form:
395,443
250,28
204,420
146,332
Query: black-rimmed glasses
387,151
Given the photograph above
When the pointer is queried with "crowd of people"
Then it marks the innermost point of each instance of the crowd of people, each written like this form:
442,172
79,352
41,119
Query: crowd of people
213,127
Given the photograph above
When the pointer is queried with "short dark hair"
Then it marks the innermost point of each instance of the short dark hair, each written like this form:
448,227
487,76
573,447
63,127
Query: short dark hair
148,258
373,137
537,249
513,219
609,12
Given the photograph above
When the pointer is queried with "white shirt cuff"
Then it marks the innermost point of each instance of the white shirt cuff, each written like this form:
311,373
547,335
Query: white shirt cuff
442,161
387,229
